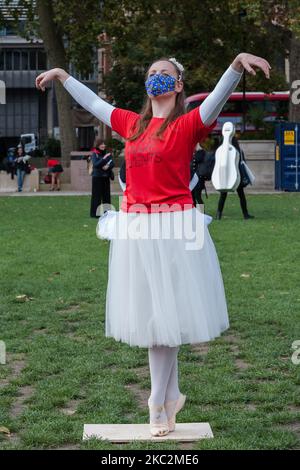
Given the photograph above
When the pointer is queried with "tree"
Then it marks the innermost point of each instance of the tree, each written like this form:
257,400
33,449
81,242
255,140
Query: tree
53,43
69,33
282,18
205,37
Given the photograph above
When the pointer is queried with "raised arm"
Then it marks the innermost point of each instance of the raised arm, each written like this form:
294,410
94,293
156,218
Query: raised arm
213,104
81,93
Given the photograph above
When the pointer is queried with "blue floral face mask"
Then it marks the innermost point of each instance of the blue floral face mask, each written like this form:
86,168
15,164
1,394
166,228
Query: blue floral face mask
158,84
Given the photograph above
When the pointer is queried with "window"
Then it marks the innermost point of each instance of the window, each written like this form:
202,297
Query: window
271,106
8,30
32,60
8,60
16,60
233,107
24,60
26,140
42,60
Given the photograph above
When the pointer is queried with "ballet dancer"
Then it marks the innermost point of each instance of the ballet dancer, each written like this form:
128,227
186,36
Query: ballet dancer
160,294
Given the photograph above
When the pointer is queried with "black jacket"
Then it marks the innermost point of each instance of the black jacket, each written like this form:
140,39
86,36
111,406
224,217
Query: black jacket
100,158
21,163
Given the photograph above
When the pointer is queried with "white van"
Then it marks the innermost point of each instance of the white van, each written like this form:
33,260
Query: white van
30,142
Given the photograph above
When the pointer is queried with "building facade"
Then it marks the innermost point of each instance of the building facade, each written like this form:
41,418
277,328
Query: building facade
27,110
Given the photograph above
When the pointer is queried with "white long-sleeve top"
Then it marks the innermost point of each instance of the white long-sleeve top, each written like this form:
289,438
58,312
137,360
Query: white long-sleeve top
209,109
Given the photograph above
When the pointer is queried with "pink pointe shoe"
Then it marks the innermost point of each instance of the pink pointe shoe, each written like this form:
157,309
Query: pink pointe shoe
174,407
157,429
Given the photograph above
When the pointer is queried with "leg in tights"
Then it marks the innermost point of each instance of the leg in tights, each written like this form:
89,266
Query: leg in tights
222,200
96,195
105,188
243,202
173,392
164,378
194,198
197,195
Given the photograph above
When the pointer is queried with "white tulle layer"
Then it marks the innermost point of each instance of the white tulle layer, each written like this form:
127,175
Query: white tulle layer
162,291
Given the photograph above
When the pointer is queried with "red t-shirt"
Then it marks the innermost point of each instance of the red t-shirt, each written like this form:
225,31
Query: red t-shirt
158,171
52,162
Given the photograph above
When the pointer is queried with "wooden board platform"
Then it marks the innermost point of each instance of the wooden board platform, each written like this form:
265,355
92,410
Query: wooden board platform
184,432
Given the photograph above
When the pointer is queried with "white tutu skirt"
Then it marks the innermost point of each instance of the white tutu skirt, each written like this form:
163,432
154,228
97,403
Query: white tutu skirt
164,290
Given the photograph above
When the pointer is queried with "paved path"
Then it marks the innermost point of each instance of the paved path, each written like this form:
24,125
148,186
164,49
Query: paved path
86,193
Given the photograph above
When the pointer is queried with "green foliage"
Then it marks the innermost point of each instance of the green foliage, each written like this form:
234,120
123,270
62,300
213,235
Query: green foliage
267,133
80,26
255,116
143,31
2,19
18,10
52,148
263,129
283,14
197,36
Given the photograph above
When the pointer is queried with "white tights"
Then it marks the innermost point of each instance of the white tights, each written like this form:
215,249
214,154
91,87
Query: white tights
163,365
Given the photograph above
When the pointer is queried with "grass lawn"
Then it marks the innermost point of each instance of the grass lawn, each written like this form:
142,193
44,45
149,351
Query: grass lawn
62,372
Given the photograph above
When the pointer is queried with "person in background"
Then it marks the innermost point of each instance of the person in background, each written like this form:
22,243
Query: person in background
202,164
239,189
55,169
197,191
21,165
102,172
11,162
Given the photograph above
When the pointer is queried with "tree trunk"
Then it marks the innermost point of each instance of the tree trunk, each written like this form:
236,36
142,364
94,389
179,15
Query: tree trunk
52,37
294,108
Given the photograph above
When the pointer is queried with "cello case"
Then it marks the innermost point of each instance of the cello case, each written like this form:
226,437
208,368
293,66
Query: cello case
226,175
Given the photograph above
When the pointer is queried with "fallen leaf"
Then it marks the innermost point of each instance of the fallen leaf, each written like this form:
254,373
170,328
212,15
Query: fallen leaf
4,430
23,298
69,412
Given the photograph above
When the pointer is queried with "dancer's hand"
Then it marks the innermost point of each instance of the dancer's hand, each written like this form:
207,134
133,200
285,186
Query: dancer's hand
249,62
52,74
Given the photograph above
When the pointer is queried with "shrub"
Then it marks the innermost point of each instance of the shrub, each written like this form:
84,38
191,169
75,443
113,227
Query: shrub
52,148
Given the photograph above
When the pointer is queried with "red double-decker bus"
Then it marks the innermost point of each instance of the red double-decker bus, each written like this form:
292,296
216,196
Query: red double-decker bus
273,105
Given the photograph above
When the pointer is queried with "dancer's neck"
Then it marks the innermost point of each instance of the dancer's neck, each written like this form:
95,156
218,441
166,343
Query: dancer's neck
162,107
